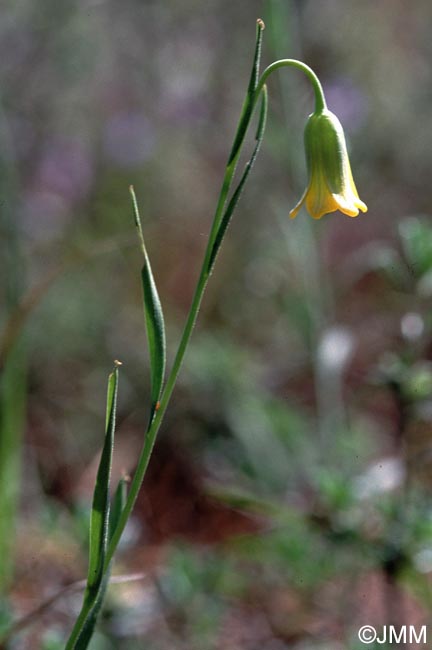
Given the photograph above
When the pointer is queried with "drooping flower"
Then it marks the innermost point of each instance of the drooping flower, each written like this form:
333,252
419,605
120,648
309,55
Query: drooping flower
331,186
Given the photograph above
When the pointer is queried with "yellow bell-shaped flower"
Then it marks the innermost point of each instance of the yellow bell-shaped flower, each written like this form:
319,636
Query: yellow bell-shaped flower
331,186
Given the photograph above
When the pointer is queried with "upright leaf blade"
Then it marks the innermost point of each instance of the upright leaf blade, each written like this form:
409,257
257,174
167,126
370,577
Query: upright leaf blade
99,521
97,579
155,326
226,218
118,503
248,104
253,81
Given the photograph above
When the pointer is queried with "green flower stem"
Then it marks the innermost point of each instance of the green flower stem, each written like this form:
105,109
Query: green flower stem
320,102
249,105
205,273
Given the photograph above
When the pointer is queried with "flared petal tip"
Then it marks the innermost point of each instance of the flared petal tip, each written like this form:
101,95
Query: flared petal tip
349,205
354,210
320,204
296,209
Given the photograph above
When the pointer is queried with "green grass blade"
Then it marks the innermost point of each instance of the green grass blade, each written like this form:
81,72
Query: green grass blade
94,607
99,521
253,82
97,580
248,104
154,320
118,503
116,509
237,193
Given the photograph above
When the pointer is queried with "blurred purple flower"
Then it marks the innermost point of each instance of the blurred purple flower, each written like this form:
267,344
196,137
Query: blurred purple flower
129,139
44,214
65,169
348,102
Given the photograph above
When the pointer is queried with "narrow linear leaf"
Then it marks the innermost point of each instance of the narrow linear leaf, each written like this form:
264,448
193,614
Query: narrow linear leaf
118,503
253,82
237,193
88,627
248,105
155,326
101,499
155,335
97,579
116,509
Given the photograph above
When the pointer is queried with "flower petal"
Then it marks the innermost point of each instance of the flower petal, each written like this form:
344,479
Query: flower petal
294,212
346,206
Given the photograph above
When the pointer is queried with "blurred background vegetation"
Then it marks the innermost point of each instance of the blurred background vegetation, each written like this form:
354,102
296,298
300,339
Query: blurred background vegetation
288,501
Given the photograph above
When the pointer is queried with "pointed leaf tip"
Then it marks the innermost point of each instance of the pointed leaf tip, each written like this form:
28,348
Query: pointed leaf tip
97,576
154,320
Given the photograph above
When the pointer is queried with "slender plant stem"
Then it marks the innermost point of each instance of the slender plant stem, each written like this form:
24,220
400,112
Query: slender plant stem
320,102
244,122
171,381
